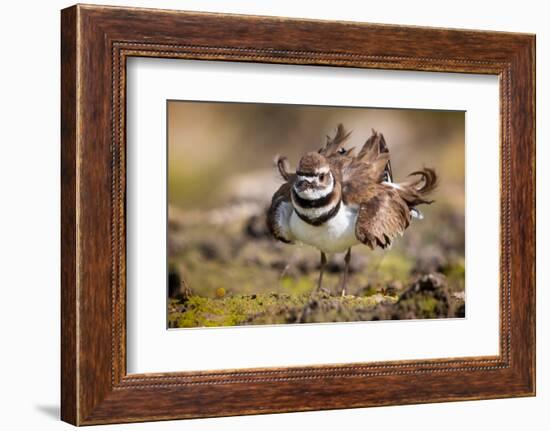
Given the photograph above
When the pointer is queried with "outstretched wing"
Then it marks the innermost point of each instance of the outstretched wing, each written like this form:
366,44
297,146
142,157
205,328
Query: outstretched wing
384,208
382,215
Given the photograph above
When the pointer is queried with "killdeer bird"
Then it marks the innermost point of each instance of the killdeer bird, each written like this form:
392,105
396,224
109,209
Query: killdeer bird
336,199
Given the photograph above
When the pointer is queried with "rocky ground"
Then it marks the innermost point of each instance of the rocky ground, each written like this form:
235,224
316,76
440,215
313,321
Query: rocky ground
226,270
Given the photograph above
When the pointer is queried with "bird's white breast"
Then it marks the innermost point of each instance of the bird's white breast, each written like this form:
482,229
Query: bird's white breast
336,235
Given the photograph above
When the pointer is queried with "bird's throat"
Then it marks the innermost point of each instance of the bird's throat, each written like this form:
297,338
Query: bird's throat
322,217
317,211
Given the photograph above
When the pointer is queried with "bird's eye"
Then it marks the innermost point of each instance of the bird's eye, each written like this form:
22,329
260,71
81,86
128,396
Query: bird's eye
321,177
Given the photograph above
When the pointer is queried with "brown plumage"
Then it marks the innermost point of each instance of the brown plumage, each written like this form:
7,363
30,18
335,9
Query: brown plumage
384,207
334,190
280,197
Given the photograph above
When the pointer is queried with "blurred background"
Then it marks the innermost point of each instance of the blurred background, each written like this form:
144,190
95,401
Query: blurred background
224,269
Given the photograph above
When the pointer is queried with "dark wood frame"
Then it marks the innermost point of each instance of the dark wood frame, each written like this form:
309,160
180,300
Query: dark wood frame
95,43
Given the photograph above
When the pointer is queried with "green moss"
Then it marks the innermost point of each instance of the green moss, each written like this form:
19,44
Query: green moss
455,270
205,312
455,273
395,266
265,308
370,291
297,285
428,306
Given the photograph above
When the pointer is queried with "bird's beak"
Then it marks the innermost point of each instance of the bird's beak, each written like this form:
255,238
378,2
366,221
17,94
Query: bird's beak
302,185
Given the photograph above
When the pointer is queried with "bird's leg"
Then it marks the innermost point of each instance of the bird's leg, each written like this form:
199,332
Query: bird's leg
288,265
302,316
322,270
347,259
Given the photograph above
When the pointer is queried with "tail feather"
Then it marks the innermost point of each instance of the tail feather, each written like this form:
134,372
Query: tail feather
418,190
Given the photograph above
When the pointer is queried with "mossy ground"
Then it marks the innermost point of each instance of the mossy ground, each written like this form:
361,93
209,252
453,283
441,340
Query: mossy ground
235,274
267,308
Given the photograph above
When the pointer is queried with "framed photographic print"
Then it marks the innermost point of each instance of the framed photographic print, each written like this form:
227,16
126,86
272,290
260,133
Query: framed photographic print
279,215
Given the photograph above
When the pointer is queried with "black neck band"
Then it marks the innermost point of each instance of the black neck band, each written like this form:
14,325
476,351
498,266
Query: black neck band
312,203
321,219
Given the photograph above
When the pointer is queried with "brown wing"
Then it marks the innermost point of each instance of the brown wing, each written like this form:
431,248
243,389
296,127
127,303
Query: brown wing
384,208
278,214
372,163
382,215
338,156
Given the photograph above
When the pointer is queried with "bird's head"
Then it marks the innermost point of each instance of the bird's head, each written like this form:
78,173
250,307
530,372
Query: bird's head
314,179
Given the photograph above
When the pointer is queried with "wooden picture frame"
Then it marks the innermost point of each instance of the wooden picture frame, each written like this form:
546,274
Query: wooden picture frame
95,43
